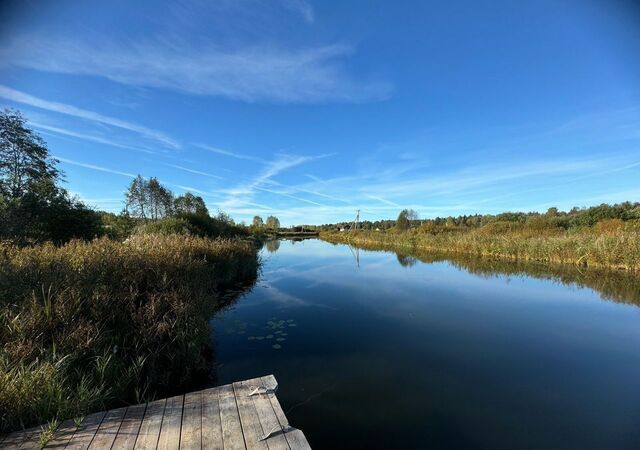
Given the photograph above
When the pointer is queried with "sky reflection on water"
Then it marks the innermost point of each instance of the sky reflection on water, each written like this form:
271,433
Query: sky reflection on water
389,351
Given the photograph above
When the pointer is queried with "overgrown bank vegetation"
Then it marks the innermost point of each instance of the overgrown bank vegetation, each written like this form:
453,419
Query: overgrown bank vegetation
98,309
91,325
608,242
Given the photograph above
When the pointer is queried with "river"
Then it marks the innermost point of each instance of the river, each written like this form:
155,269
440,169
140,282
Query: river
378,350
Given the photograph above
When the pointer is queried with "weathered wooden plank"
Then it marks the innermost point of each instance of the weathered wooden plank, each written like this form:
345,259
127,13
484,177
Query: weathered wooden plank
295,437
28,439
129,428
251,428
271,428
150,429
62,435
232,437
85,433
211,425
171,423
13,440
270,383
108,429
191,434
32,439
223,418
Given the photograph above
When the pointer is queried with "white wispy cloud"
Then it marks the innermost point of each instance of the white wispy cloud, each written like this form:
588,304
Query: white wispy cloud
220,151
301,7
282,163
70,110
87,137
469,179
242,192
467,190
383,200
309,191
247,73
284,194
197,172
94,167
313,177
191,189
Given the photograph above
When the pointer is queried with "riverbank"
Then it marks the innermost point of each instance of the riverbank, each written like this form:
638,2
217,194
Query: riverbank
95,325
618,249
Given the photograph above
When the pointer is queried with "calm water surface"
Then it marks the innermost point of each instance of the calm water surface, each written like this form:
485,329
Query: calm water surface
376,350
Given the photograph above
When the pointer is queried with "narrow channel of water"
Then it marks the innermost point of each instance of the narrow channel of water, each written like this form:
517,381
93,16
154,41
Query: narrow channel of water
377,350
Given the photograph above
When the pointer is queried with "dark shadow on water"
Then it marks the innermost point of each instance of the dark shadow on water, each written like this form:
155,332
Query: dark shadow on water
200,372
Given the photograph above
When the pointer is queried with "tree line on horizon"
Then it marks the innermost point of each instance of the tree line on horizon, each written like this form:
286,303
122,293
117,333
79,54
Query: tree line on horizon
576,217
34,207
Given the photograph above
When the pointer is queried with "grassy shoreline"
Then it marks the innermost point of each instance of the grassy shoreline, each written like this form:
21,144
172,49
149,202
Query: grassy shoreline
618,249
94,325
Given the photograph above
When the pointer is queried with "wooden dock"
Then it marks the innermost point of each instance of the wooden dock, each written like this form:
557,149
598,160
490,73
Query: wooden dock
242,415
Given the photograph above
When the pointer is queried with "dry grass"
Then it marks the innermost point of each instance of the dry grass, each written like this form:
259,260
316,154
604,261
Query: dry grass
606,246
91,325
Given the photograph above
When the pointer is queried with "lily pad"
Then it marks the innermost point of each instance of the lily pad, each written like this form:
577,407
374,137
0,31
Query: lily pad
280,339
276,346
259,338
251,338
269,336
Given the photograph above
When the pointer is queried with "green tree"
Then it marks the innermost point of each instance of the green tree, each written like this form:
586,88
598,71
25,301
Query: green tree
137,198
148,199
33,207
404,219
190,204
118,226
257,222
224,218
273,223
24,157
160,199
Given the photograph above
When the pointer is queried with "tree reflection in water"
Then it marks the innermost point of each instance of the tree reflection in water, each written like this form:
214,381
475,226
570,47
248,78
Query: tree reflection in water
272,245
619,286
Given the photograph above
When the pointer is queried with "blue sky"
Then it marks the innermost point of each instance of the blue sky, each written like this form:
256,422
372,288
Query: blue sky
309,110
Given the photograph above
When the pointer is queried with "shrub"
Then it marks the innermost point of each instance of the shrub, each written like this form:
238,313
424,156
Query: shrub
192,224
168,226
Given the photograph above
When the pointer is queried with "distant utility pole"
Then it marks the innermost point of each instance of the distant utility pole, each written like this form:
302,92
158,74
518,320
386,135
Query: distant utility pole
354,226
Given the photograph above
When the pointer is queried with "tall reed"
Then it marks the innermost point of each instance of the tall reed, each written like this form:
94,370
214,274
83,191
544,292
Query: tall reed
88,326
618,248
